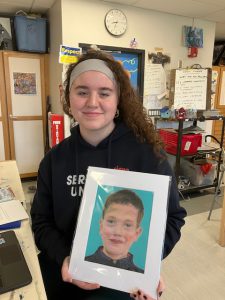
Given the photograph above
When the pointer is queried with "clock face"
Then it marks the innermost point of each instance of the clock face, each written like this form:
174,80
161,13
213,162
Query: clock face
116,22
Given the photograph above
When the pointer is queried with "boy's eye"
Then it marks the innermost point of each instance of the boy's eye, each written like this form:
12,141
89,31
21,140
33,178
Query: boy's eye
128,225
110,222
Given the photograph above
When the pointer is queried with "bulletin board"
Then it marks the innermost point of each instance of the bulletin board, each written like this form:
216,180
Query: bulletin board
190,88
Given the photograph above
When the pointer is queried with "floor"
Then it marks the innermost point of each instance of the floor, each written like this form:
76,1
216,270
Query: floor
195,270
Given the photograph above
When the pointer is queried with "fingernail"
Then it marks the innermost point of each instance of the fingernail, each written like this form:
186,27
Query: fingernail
145,297
160,294
139,293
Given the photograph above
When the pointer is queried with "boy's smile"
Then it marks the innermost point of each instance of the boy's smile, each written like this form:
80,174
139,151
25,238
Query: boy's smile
119,229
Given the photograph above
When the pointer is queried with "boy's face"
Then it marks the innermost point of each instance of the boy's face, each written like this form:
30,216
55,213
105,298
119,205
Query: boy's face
119,229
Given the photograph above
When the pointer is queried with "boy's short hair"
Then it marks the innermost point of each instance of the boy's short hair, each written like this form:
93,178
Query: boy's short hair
125,197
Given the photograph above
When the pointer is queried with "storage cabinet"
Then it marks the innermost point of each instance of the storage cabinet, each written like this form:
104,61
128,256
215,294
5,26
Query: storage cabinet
23,92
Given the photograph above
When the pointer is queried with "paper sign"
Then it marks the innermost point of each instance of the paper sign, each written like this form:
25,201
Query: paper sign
11,211
68,55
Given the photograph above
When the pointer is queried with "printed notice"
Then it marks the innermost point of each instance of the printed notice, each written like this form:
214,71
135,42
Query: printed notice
155,79
191,89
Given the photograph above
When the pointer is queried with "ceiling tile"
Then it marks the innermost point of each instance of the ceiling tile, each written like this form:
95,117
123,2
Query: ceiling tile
218,16
189,8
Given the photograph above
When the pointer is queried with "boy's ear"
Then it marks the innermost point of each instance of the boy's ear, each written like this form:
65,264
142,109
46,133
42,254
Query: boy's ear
100,223
138,232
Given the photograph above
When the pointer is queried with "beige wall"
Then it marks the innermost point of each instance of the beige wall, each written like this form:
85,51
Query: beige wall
56,69
83,22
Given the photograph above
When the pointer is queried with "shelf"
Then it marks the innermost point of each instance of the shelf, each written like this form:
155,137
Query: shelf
200,119
194,188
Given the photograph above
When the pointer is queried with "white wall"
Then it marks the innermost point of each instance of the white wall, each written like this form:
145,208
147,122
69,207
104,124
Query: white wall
83,22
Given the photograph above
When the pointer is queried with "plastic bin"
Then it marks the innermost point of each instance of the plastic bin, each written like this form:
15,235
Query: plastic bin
30,33
195,173
189,143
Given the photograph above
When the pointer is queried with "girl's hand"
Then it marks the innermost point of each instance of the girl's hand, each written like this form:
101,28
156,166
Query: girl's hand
67,277
140,295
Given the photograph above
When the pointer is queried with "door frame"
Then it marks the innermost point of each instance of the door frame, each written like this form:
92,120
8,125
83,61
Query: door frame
10,117
3,103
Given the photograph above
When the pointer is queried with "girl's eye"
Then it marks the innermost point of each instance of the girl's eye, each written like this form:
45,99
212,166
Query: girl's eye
82,93
104,95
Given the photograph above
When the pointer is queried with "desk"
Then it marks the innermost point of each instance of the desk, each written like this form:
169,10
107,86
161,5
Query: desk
222,225
35,290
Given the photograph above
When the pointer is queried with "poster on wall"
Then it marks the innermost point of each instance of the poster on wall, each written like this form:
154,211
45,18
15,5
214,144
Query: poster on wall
132,60
130,63
24,83
68,55
192,36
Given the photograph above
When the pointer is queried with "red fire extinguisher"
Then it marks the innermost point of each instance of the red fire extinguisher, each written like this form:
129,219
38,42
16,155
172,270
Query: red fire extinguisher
192,52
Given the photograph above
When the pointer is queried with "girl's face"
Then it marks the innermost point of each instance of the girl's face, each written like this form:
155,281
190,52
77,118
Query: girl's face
119,230
93,103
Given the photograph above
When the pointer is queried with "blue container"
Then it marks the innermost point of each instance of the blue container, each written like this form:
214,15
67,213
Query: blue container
30,33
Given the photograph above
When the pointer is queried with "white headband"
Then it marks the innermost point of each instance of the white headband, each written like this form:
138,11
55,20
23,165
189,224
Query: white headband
91,65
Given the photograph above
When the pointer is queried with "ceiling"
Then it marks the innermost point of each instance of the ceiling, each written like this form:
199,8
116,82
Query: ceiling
211,10
29,6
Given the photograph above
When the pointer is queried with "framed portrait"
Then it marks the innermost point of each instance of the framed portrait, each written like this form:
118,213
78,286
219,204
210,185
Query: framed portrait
7,41
119,237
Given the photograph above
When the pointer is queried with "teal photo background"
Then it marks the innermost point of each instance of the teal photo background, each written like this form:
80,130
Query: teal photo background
139,248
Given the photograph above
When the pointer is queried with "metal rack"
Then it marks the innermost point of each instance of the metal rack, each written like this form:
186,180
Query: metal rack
178,156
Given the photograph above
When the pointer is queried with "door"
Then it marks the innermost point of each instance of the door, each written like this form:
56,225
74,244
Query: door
4,136
219,103
26,98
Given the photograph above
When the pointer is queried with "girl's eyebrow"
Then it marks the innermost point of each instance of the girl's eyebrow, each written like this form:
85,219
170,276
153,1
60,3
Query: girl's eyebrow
81,87
86,87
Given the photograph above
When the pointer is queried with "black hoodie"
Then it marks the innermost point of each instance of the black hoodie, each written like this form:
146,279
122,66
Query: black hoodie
61,179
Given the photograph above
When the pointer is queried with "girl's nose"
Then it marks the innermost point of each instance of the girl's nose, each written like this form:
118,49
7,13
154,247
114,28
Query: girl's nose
92,100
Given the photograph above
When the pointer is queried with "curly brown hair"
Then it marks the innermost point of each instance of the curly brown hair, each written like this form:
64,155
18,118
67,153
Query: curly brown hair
131,110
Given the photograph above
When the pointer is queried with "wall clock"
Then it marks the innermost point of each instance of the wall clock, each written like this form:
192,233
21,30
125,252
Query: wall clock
116,22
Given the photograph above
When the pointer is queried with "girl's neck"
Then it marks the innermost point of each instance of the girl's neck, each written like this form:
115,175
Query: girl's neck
94,137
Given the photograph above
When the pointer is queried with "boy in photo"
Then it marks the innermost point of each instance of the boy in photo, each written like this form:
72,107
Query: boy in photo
119,229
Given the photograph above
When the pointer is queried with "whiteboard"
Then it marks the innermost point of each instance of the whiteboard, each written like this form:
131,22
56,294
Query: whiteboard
191,88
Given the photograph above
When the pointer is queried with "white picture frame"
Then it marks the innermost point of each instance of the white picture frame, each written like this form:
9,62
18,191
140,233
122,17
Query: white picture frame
153,191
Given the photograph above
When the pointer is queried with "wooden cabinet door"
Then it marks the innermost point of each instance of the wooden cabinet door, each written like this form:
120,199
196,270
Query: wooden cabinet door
4,136
219,103
26,97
